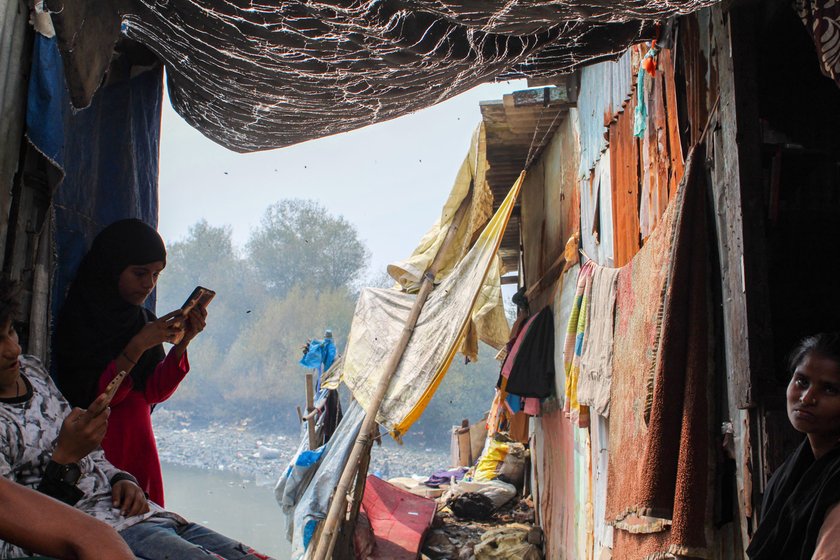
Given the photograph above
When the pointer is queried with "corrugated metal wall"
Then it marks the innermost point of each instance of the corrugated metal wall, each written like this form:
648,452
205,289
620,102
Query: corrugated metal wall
15,48
623,185
605,88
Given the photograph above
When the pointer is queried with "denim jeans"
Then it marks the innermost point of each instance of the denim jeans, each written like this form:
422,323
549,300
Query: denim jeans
162,538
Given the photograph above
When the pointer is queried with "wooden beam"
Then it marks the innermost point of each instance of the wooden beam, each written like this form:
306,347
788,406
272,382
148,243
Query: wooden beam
548,278
310,411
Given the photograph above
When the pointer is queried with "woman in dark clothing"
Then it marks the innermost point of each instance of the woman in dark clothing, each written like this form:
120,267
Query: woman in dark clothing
801,509
103,329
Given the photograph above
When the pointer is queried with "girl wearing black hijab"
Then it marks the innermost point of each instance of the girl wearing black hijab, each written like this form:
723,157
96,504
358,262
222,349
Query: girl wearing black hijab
801,509
103,329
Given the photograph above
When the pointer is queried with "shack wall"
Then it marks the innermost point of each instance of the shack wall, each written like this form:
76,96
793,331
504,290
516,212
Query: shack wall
623,185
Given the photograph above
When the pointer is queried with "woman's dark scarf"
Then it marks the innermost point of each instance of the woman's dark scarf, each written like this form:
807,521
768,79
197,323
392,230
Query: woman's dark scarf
96,323
797,498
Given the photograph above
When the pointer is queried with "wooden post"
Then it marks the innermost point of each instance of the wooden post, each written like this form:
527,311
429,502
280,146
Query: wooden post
345,540
338,506
310,407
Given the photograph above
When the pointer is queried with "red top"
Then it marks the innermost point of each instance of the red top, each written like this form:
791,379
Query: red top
129,443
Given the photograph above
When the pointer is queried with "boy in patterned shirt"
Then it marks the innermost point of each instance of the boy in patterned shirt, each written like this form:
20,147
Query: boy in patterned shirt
46,445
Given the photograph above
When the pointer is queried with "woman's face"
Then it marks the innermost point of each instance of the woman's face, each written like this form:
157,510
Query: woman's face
136,282
813,398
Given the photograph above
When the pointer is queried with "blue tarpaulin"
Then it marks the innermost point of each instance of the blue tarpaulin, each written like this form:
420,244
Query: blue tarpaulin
106,153
321,355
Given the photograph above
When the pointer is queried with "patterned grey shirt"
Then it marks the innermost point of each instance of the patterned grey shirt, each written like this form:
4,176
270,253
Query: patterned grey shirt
28,433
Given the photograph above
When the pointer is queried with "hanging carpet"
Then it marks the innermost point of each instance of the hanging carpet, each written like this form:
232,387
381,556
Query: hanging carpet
658,429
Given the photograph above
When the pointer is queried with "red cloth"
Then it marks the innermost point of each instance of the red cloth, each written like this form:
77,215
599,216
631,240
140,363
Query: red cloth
129,443
399,520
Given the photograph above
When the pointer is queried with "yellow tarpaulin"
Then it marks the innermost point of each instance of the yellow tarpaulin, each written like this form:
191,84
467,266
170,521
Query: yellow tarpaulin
489,322
441,328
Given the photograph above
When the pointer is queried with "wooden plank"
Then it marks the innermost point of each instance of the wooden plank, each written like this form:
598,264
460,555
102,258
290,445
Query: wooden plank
310,410
737,200
735,167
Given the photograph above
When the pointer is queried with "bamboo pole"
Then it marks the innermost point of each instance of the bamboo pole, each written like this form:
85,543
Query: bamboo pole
310,407
338,506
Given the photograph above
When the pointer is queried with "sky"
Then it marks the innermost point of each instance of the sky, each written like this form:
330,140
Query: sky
390,179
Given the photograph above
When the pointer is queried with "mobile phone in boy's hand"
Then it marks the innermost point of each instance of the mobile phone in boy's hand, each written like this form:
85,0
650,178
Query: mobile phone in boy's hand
104,400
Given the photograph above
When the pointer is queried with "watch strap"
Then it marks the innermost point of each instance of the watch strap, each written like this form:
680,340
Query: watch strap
68,474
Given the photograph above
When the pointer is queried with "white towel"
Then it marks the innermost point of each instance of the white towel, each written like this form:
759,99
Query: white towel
596,359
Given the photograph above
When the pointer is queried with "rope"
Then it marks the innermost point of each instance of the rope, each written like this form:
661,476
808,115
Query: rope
532,151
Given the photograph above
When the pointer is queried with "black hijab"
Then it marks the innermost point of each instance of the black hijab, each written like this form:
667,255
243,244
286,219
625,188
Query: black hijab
797,498
95,322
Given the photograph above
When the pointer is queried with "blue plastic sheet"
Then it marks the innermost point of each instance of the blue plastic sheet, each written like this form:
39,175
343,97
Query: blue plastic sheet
304,490
321,355
104,157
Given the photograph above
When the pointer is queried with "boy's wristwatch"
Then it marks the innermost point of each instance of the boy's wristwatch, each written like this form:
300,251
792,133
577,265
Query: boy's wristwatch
68,474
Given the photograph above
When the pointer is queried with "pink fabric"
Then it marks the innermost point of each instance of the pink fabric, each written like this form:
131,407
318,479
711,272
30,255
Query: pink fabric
511,357
532,406
129,443
828,541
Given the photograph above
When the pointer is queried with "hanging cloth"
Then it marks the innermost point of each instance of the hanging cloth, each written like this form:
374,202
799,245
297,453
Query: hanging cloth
575,335
532,362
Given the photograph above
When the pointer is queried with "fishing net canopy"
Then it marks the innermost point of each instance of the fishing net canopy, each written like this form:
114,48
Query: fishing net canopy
254,75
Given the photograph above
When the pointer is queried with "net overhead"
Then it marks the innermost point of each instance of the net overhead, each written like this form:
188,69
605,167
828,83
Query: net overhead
257,75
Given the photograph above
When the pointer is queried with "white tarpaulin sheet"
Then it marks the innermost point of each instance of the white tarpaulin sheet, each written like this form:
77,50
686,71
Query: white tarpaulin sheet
381,315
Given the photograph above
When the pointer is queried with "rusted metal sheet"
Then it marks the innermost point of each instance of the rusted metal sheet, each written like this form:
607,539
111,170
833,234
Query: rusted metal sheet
644,173
661,153
605,88
624,159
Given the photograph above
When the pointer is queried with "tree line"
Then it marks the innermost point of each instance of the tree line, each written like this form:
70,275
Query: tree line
299,273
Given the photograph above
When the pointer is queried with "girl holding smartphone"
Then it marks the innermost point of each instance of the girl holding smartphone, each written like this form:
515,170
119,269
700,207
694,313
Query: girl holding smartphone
103,328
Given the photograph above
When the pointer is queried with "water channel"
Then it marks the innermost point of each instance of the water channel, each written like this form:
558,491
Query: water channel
230,504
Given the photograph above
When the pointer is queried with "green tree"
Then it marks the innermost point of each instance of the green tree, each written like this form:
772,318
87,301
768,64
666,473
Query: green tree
207,257
299,243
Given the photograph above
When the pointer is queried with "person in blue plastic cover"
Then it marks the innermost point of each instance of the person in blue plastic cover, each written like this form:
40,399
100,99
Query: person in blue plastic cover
320,356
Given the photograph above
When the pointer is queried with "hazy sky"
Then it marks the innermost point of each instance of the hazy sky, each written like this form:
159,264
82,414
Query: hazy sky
389,179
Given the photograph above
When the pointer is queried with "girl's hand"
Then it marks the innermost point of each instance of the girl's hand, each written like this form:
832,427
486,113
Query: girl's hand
164,329
195,323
